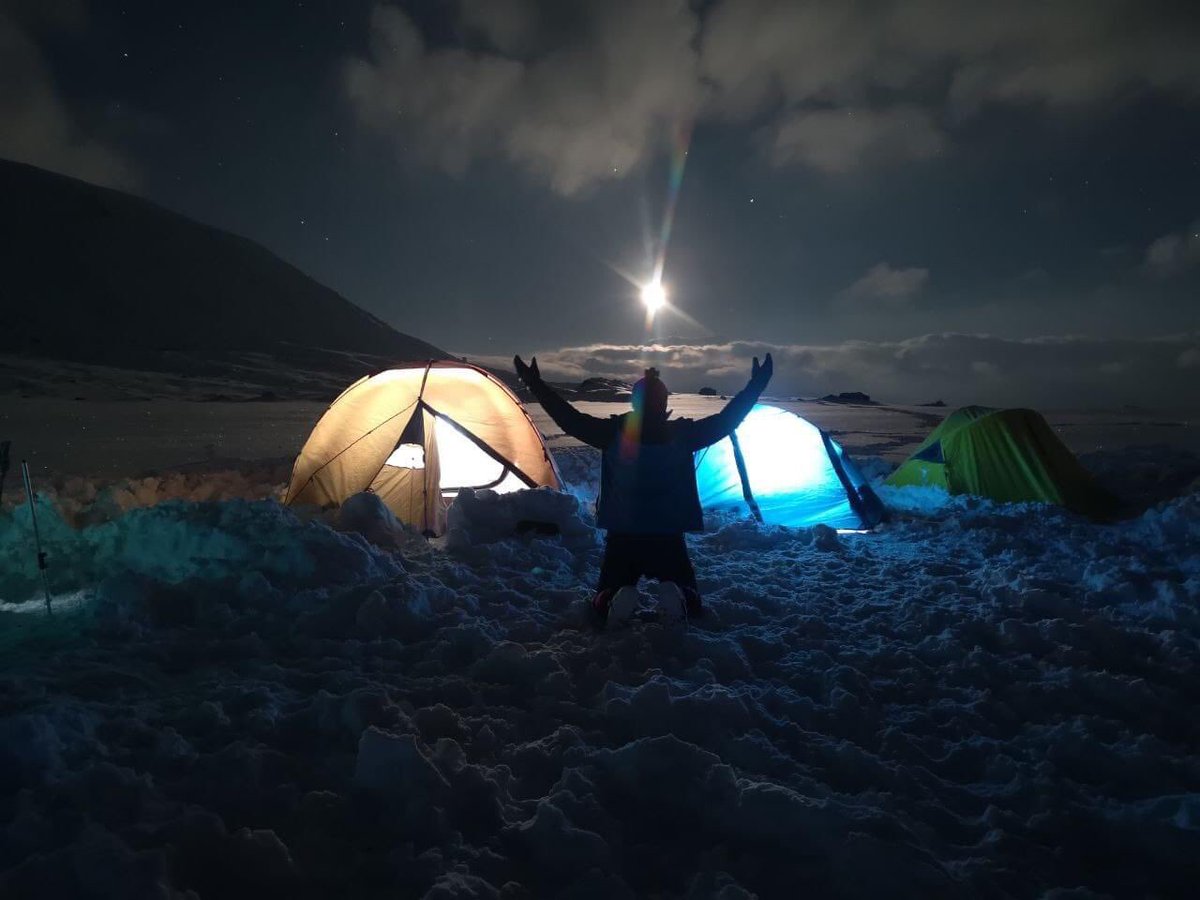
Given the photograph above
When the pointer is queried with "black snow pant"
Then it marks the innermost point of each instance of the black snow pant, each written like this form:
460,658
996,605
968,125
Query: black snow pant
629,557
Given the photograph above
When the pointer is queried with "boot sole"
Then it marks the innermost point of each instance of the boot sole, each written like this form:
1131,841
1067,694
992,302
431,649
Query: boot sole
623,605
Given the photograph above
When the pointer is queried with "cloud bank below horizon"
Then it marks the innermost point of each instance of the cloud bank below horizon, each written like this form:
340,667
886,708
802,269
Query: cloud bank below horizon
1162,372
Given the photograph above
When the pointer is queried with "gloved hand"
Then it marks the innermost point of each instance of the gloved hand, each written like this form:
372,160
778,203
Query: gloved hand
529,374
760,375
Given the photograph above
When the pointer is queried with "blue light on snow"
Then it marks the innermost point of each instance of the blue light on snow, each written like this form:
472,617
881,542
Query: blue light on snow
789,470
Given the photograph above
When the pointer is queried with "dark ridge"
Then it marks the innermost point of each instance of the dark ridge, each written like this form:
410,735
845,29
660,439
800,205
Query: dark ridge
97,276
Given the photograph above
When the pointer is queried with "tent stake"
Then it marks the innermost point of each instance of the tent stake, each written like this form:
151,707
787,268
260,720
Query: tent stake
37,538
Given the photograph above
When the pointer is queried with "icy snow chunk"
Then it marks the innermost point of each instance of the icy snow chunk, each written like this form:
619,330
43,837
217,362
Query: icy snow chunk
914,499
483,517
171,748
556,845
120,601
511,663
262,855
403,613
746,534
356,711
394,764
97,863
439,721
30,750
204,719
660,769
461,886
773,813
654,708
366,514
866,867
1180,811
826,538
717,886
687,783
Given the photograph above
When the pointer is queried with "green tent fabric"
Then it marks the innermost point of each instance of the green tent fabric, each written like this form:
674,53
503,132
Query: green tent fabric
927,465
1010,455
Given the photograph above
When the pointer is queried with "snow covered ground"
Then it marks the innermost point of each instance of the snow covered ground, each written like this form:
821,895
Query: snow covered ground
123,438
234,700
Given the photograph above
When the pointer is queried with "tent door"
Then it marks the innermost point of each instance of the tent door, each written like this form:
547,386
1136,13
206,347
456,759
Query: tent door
466,461
408,482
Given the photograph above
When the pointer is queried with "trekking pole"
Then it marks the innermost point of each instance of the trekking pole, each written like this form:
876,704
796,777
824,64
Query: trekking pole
37,538
4,445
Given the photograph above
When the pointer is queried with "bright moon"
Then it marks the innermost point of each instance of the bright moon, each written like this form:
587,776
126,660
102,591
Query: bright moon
654,295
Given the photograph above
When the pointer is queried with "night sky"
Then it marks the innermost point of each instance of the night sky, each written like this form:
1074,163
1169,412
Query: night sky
981,202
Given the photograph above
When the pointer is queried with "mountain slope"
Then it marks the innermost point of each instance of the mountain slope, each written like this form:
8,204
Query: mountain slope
97,277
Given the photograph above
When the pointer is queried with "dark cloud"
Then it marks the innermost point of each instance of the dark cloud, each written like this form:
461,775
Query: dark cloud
1023,51
906,69
1173,253
843,140
581,111
960,368
583,96
39,126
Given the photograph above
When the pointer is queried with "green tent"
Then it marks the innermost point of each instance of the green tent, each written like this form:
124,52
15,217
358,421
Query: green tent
1010,455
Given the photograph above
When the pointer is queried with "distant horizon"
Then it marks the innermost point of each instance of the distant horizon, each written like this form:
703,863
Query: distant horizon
1063,372
961,369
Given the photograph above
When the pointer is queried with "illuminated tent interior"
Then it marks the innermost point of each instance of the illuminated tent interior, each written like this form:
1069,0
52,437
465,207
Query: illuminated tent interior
786,471
415,436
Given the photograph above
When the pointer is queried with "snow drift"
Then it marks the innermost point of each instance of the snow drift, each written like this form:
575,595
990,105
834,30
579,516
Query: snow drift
981,701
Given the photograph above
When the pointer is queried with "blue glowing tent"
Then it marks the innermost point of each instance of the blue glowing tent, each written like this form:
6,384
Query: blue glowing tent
786,471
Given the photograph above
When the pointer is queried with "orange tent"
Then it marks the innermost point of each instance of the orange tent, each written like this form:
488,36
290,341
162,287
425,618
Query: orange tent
418,434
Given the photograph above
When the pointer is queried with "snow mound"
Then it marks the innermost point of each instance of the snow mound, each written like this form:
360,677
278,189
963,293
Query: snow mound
917,500
88,501
991,701
484,517
366,514
178,542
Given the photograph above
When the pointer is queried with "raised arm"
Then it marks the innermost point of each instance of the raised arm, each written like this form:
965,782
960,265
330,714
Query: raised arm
711,429
591,430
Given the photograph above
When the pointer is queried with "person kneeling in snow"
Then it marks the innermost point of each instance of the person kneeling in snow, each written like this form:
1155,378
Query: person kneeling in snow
648,497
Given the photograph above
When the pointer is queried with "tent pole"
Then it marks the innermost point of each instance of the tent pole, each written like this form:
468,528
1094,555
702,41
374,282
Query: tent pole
740,461
4,445
856,501
37,538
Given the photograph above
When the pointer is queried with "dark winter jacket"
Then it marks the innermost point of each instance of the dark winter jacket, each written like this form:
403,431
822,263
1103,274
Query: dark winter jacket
647,474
